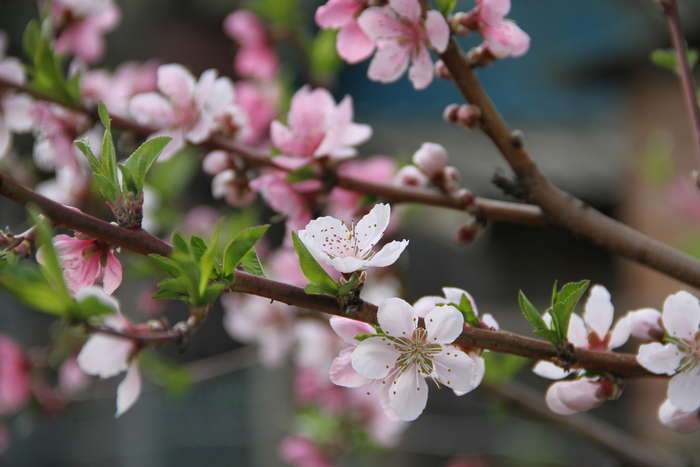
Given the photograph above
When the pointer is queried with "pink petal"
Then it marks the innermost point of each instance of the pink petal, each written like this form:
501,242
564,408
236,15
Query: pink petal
493,11
579,395
347,329
105,356
457,369
389,63
353,44
337,13
374,357
177,83
409,9
681,315
437,30
408,394
554,401
397,318
129,389
645,323
379,23
245,27
112,277
343,374
443,325
152,109
506,39
11,69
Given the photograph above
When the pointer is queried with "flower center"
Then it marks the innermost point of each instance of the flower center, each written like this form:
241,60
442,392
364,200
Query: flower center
416,351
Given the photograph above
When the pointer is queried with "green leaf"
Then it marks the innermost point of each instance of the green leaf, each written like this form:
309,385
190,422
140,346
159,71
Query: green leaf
534,317
128,180
206,263
322,289
446,6
241,244
31,38
465,306
143,158
301,174
173,377
107,188
172,288
165,263
94,162
566,300
90,307
50,265
313,272
179,243
108,152
197,247
27,284
251,264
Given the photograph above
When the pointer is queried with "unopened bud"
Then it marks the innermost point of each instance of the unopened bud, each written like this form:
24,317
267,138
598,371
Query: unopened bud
216,162
469,116
450,178
468,232
481,56
464,197
463,22
645,324
450,113
410,176
431,159
441,70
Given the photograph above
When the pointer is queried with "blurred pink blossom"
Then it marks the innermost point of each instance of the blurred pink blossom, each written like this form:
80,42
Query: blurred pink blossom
402,36
115,89
14,377
684,197
282,196
82,24
502,36
260,102
255,58
302,452
71,379
200,220
352,43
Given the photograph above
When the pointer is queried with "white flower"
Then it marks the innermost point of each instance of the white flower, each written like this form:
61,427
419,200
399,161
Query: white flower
569,397
407,354
678,420
681,355
106,356
350,250
592,332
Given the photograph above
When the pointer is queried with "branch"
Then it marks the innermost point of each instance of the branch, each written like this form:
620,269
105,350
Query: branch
559,207
624,447
498,211
621,364
685,74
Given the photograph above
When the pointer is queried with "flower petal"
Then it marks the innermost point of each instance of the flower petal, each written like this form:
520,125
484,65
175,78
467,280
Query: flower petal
683,389
177,83
397,318
348,264
337,13
645,324
343,374
457,369
620,332
409,9
129,389
659,358
408,394
112,276
104,356
437,29
347,329
353,44
388,254
327,236
371,228
549,370
681,315
421,71
678,420
598,311
389,63
443,325
553,399
425,304
577,333
374,357
152,109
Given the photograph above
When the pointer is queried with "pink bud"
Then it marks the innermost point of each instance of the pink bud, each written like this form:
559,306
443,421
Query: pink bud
441,70
469,115
244,27
463,22
216,162
431,159
464,197
450,113
645,324
450,177
569,397
410,176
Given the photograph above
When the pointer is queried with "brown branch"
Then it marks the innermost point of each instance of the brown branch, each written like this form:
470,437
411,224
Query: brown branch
623,365
561,208
498,211
618,443
685,74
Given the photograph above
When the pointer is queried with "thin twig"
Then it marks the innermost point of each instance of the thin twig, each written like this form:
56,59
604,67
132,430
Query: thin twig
561,208
621,364
685,74
497,211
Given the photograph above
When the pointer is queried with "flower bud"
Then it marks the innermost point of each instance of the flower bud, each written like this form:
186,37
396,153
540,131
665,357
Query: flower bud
450,178
645,324
569,397
678,420
463,22
410,176
431,159
464,197
481,56
469,116
216,162
450,113
441,70
468,232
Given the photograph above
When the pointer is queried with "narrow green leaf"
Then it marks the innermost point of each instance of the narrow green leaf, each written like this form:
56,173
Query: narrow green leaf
141,160
50,265
251,264
313,271
197,247
128,180
106,187
534,318
30,39
564,303
206,264
180,244
94,162
240,246
90,307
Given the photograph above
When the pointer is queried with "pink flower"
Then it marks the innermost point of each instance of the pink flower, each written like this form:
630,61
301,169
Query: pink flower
401,34
115,89
259,101
84,22
189,110
86,262
234,189
680,356
342,372
284,265
255,58
503,37
352,43
302,452
678,420
56,128
200,220
249,318
281,196
14,378
569,397
316,127
107,356
71,379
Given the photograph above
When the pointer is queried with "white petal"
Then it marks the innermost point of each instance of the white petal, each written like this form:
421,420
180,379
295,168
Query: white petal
424,304
129,389
678,420
176,82
343,374
620,332
684,389
549,370
598,311
408,394
371,228
374,357
105,356
388,254
577,333
490,321
443,325
659,358
348,264
457,369
152,109
18,112
454,295
681,315
327,236
397,318
347,328
553,399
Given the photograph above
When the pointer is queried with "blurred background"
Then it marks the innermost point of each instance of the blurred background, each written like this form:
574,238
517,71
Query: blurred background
601,120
